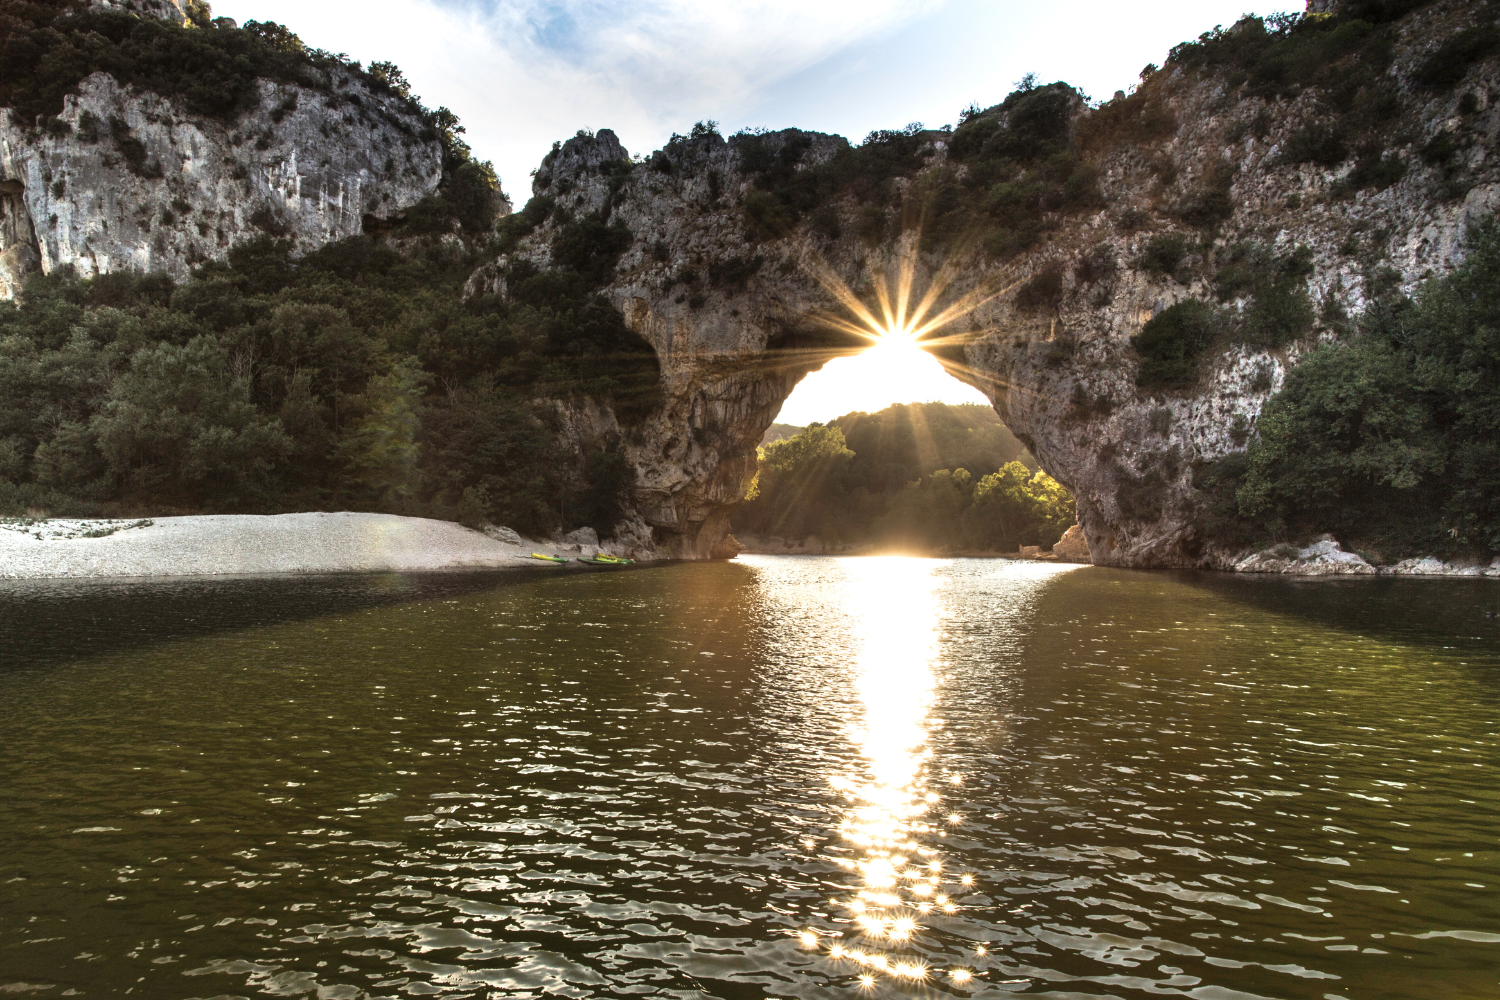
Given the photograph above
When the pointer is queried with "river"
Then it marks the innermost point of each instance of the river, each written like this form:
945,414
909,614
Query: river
778,777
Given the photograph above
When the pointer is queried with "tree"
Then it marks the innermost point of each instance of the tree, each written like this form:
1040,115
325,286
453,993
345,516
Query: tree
180,423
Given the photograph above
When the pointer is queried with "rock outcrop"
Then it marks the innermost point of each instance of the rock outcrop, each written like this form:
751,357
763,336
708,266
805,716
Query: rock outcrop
734,311
1323,557
167,10
1073,547
125,179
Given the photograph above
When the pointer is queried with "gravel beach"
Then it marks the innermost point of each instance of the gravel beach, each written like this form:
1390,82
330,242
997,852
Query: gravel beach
235,545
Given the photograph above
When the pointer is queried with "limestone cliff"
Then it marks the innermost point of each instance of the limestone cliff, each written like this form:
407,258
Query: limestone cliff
125,178
727,294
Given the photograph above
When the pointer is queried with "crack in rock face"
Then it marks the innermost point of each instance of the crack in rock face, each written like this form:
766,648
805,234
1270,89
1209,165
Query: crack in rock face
19,253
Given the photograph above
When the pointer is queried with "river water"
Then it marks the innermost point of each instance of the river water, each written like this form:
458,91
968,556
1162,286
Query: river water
779,777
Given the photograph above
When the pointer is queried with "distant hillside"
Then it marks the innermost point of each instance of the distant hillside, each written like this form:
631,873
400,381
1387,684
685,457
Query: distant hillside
780,432
921,477
907,441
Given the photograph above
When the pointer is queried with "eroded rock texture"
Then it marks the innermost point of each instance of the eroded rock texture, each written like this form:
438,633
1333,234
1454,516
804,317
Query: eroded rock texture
135,183
733,315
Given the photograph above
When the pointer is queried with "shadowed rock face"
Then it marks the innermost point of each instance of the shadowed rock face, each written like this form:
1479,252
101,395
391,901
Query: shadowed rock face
734,341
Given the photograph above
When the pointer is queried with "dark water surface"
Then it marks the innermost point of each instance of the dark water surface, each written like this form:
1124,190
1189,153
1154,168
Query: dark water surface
782,777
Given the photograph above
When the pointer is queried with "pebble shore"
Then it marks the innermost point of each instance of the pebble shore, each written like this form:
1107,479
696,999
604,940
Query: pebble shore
243,545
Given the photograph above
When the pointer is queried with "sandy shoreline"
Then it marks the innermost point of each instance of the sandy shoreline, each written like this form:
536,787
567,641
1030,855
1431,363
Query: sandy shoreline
245,545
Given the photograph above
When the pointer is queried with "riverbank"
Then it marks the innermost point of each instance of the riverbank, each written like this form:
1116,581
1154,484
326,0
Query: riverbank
1326,557
244,545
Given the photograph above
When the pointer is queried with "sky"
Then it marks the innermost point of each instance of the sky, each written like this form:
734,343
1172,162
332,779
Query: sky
893,372
522,74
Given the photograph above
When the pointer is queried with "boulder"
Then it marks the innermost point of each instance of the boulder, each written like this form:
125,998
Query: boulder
581,539
501,534
1324,557
1431,566
1073,546
728,548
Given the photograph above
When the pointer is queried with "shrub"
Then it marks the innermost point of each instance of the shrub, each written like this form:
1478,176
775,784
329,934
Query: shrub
767,216
1446,67
1164,253
1279,314
1317,143
1098,264
591,247
1140,118
1171,343
1044,291
1029,125
1373,170
133,151
1084,405
1212,204
734,272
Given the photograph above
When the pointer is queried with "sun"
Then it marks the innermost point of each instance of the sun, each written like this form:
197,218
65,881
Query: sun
893,369
899,326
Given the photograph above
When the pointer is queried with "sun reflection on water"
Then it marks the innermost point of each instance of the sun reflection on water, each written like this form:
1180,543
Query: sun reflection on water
894,819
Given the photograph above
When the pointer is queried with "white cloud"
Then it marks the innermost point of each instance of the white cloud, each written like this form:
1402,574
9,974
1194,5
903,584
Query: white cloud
522,74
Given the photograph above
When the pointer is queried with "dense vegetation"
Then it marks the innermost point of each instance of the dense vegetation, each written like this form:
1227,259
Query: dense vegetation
1389,438
48,47
901,479
1022,168
354,377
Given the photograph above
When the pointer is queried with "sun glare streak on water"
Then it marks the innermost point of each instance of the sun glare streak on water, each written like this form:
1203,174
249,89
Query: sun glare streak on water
889,805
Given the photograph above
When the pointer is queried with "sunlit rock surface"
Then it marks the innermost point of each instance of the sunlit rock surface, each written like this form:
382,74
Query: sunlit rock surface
167,10
733,343
1322,558
303,165
1073,547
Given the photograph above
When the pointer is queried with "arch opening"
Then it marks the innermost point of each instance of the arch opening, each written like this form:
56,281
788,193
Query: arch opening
885,451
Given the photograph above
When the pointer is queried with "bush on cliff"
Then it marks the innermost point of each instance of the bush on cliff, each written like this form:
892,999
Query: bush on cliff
1171,343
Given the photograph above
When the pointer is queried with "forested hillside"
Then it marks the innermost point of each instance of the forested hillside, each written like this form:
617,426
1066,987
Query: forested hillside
923,477
355,378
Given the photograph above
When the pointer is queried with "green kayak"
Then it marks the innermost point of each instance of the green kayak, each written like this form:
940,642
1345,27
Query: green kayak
596,561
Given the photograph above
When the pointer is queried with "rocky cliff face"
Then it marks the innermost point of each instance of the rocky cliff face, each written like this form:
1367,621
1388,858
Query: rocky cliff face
728,320
734,317
127,180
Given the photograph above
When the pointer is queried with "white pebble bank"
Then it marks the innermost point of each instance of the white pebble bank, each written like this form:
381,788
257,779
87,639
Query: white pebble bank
238,544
